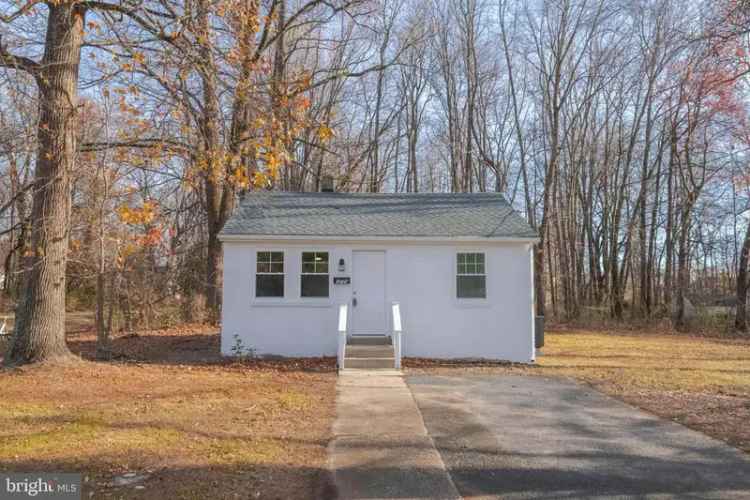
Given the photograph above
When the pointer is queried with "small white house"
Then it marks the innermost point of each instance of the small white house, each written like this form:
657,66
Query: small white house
459,265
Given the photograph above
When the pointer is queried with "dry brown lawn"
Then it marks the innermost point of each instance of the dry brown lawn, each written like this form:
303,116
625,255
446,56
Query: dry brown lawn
703,383
196,426
170,409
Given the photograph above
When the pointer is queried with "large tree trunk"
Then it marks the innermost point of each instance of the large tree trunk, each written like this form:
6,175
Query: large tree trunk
219,195
740,320
40,316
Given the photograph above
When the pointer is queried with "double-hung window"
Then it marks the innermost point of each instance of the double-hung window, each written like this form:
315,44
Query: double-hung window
314,279
471,280
269,274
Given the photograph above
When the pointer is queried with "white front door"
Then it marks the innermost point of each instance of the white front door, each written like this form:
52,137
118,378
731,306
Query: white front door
368,293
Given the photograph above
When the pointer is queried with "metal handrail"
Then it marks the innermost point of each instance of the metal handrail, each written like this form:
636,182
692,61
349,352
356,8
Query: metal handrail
397,333
343,313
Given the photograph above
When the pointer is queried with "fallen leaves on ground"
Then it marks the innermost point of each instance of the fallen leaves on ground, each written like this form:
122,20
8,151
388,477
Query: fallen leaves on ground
195,425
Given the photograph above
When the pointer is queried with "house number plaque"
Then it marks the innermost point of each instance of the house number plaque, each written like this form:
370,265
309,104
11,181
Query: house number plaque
342,280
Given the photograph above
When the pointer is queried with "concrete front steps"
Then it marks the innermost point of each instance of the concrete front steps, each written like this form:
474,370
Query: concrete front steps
373,352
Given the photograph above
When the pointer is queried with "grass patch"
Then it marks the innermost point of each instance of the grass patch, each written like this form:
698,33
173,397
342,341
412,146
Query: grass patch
292,400
666,362
234,451
193,425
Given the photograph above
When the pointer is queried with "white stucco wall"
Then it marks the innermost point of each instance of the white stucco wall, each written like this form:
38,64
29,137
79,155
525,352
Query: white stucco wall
420,276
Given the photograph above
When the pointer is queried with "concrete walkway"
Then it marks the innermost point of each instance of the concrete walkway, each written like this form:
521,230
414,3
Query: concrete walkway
381,448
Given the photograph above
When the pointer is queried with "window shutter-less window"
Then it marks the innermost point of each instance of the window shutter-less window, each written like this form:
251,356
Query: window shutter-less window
471,280
314,278
269,274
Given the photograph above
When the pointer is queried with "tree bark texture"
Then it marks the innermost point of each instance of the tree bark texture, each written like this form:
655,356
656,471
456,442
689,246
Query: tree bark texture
40,316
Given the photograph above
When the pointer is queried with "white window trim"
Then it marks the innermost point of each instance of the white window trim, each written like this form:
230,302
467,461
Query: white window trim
254,282
469,302
323,301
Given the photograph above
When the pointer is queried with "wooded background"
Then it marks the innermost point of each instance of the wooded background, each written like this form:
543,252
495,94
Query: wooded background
129,130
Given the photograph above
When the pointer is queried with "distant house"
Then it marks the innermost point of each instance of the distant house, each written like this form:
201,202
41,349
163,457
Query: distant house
459,265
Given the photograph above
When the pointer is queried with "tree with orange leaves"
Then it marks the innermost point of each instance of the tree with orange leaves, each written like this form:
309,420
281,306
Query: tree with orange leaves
39,333
239,102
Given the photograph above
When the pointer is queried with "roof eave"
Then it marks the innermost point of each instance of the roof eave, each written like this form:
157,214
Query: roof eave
423,239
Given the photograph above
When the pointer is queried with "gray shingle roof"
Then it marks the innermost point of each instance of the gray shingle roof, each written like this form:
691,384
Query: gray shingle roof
480,215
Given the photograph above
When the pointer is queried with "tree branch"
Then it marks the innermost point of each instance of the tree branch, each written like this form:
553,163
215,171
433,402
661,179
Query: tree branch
23,10
13,199
9,60
153,28
91,147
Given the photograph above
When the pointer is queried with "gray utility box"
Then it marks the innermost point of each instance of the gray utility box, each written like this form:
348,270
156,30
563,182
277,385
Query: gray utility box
539,331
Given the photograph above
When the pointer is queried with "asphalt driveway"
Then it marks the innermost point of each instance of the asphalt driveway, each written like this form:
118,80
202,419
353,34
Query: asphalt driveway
533,437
